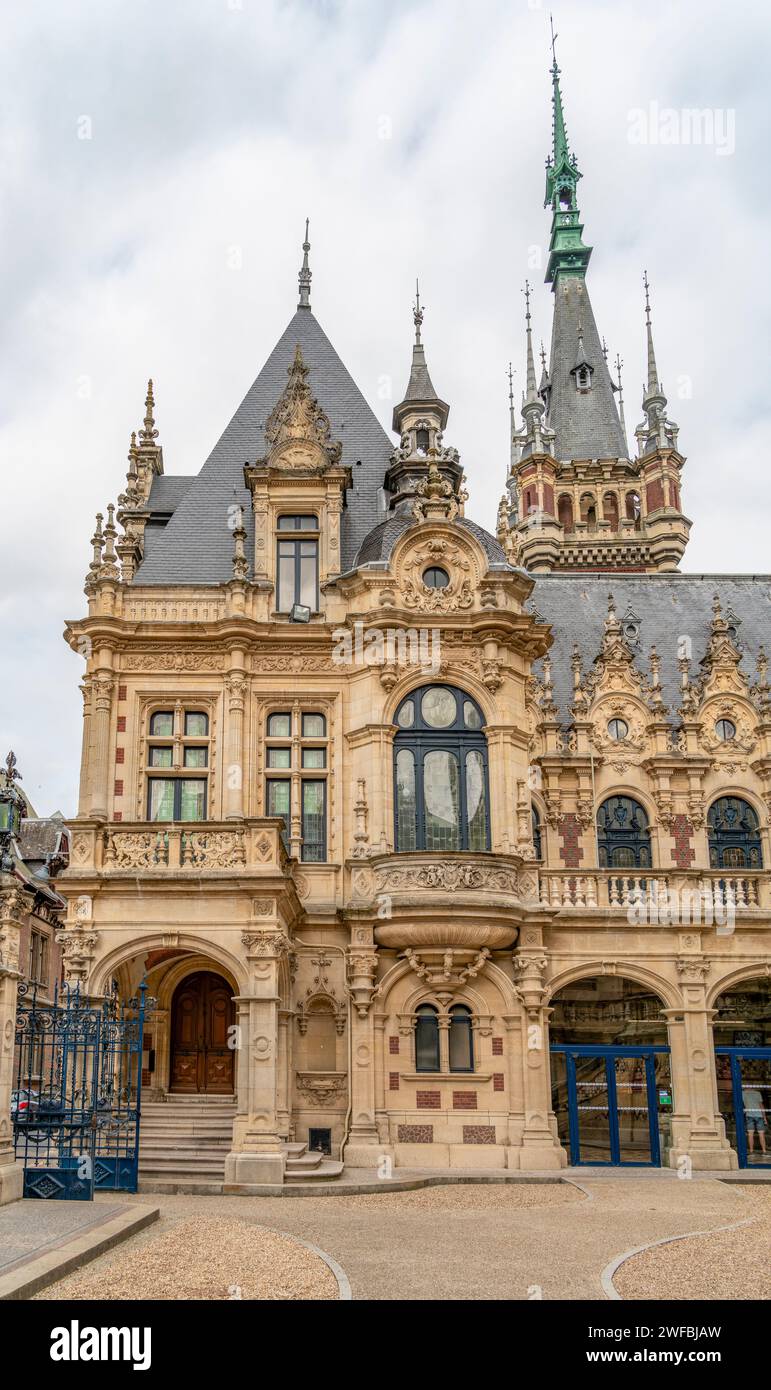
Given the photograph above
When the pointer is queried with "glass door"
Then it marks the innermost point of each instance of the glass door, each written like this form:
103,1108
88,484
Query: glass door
615,1103
744,1091
592,1108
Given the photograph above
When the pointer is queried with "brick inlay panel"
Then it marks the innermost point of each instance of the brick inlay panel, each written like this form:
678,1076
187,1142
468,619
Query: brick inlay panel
479,1134
429,1100
464,1100
415,1134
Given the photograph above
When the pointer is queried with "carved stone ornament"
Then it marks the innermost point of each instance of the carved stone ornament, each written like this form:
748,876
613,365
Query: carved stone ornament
447,876
324,1089
267,943
447,970
455,596
176,659
297,431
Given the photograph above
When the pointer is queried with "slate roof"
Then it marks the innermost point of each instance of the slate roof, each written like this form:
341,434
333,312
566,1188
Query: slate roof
668,607
379,544
196,546
167,492
586,424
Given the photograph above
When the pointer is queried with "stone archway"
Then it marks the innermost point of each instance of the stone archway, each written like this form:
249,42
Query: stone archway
201,1058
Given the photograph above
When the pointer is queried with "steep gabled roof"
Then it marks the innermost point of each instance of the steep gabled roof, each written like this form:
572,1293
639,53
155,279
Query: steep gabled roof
196,546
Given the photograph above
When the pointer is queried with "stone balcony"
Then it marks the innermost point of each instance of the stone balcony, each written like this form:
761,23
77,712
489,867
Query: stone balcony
210,848
463,900
674,895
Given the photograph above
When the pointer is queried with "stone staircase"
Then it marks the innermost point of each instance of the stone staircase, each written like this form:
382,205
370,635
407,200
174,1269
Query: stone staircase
184,1141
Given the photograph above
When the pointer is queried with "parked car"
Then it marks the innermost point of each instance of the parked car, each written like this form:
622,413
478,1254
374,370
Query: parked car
24,1105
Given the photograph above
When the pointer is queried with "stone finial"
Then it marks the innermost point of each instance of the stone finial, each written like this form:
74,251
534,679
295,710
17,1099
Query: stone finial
148,433
305,276
109,565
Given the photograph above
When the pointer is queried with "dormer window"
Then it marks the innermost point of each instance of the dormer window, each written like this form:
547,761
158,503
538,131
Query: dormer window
422,441
584,379
297,563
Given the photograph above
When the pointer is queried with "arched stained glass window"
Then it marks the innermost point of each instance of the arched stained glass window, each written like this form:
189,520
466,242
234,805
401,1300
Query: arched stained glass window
623,835
440,772
734,835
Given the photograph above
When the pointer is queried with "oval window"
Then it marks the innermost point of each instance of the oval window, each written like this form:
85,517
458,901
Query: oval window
725,730
617,729
438,708
436,578
471,716
406,716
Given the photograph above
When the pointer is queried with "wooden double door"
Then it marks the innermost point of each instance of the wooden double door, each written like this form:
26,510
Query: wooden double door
201,1017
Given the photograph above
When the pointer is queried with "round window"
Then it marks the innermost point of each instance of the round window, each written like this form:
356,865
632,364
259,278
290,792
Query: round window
618,729
436,578
725,730
438,708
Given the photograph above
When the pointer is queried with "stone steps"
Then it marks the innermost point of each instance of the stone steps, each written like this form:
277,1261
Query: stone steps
185,1140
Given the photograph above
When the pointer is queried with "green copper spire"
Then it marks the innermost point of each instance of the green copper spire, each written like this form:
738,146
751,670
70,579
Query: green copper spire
567,253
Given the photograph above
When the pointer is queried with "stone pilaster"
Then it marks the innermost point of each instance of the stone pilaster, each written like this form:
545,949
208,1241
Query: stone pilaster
235,685
539,1148
698,1129
102,688
257,1156
85,751
364,1148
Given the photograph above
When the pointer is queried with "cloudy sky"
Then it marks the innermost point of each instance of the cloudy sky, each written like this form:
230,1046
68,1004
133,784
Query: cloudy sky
157,162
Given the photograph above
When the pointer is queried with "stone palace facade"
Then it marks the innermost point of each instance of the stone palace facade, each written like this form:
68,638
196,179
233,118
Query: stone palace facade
436,848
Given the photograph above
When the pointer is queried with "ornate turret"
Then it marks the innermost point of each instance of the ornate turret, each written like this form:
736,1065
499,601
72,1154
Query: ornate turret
420,419
582,502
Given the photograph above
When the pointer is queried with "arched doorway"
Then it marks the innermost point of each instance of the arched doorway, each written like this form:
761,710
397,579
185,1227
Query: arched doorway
611,1083
202,1055
742,1028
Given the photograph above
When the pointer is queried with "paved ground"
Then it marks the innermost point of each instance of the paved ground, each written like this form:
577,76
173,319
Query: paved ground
29,1227
472,1242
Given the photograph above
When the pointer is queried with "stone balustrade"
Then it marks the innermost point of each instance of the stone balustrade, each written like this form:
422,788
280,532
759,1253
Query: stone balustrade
673,895
201,847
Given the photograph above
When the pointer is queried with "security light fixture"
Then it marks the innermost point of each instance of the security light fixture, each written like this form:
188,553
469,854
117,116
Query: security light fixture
300,613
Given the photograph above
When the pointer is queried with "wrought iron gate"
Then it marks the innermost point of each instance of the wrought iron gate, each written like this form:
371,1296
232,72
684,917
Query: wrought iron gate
76,1102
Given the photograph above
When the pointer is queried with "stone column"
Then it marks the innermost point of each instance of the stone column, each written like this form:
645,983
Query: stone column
364,1148
233,772
698,1129
539,1148
283,1103
12,914
85,750
257,1156
102,687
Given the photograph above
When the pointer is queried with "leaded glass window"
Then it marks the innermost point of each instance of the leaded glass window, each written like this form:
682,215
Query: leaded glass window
623,835
440,772
734,835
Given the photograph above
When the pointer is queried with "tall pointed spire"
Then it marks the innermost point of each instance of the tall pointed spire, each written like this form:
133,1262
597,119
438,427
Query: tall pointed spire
567,253
619,383
420,388
654,387
304,278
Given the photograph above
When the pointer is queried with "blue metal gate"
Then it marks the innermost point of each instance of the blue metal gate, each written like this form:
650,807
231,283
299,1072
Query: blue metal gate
76,1102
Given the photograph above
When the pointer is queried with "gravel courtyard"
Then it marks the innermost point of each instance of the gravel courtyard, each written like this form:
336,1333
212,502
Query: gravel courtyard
516,1241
